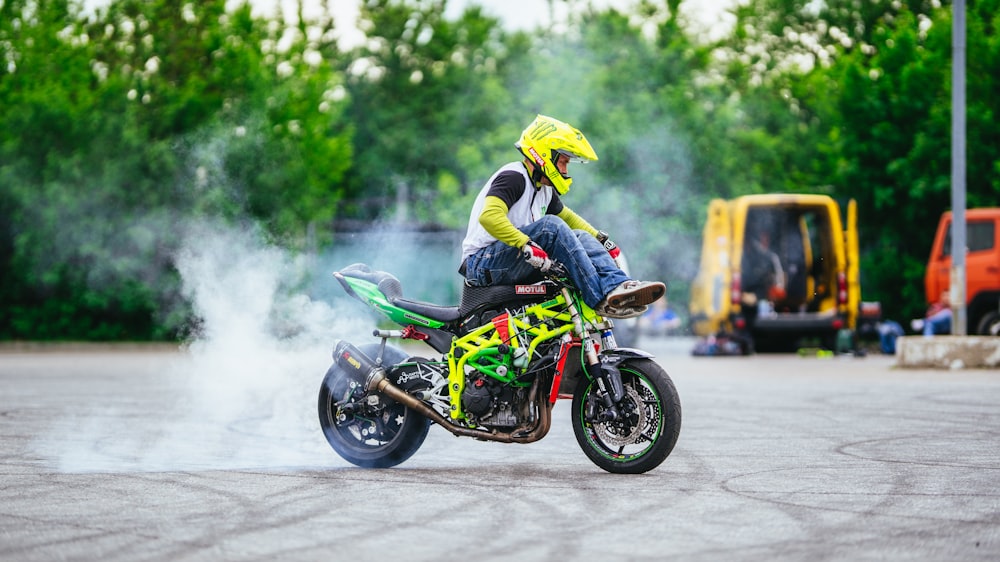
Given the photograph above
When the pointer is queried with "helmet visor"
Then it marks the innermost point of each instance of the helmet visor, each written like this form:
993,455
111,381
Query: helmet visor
573,157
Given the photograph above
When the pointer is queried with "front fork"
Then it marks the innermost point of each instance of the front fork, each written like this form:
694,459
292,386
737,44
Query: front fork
609,384
608,378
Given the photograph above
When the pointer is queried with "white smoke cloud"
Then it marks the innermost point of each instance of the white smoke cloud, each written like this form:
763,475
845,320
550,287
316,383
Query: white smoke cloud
243,392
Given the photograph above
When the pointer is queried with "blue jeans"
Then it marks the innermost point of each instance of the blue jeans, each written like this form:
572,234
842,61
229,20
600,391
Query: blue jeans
938,323
888,331
588,264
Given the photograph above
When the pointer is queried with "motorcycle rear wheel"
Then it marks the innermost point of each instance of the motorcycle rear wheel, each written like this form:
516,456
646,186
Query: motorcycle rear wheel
645,434
379,439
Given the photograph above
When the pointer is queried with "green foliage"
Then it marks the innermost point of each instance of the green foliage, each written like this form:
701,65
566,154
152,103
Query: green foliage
853,99
426,96
118,127
892,141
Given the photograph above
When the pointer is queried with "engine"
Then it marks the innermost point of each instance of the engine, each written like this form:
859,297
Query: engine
492,403
486,401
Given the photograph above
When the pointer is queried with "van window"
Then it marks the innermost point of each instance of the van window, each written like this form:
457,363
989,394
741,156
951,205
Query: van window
822,267
979,237
796,236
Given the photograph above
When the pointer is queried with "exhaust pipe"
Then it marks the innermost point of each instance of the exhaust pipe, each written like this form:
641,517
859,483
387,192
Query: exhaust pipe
361,368
371,376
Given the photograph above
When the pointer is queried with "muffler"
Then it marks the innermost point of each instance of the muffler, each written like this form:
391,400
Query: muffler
371,376
361,368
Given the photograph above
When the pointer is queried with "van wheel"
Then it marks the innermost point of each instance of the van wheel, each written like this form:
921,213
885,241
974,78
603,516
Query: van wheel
990,324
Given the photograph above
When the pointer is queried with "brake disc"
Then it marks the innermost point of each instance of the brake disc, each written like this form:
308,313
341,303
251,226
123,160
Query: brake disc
624,431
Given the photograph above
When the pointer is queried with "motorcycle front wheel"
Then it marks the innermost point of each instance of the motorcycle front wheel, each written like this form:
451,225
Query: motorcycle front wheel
647,428
372,435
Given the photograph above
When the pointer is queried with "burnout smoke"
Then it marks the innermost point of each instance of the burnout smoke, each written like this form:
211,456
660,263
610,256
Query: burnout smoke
243,394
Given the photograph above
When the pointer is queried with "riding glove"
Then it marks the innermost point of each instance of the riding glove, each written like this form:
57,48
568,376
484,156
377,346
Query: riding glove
536,256
610,246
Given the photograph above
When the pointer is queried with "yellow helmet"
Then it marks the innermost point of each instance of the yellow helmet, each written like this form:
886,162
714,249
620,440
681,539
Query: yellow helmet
542,143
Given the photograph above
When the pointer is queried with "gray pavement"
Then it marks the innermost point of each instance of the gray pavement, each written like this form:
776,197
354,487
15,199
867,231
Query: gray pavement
215,454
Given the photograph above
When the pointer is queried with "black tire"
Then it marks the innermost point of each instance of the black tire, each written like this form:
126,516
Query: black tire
645,435
381,438
989,324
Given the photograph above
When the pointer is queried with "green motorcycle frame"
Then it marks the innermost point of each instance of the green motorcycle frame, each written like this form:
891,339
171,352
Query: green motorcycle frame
507,354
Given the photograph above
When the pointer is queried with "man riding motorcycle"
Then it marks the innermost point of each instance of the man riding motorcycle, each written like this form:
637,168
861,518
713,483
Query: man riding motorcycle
519,220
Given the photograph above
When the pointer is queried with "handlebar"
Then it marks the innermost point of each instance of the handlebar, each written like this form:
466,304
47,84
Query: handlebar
556,271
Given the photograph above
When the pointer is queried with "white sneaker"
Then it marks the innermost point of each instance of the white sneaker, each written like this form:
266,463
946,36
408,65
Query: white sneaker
627,312
634,294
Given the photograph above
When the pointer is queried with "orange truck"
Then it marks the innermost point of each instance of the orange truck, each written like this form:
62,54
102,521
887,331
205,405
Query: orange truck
982,268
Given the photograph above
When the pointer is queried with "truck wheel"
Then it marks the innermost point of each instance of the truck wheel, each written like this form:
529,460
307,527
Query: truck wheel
989,325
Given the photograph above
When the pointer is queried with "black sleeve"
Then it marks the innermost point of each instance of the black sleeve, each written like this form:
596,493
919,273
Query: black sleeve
555,205
508,186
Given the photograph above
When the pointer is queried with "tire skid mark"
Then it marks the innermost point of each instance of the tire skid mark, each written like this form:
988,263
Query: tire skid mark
531,477
843,450
95,533
727,486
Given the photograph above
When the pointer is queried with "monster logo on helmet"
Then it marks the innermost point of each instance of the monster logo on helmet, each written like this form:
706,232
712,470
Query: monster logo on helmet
544,140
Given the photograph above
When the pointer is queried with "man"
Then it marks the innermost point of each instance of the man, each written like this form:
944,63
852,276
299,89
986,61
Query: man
518,221
763,275
937,320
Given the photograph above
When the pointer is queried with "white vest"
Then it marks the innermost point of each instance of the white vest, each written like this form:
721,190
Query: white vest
526,210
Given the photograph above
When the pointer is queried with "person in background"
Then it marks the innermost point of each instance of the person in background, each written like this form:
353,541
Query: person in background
519,220
762,274
660,319
888,332
937,320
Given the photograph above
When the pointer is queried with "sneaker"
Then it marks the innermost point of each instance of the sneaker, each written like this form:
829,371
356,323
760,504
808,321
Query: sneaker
609,311
635,294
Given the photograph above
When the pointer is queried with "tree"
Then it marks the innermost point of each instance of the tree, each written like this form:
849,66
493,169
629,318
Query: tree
854,101
426,97
893,141
120,126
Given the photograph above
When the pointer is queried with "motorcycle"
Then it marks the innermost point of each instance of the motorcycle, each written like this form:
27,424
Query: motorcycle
508,353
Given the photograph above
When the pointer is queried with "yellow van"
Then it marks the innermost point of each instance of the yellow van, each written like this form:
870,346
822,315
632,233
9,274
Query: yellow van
810,285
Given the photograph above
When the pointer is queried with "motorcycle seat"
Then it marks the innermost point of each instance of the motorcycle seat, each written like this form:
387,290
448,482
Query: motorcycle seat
433,311
385,281
390,286
474,298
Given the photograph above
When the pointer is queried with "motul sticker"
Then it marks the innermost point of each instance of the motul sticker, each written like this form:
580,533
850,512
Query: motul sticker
529,289
535,155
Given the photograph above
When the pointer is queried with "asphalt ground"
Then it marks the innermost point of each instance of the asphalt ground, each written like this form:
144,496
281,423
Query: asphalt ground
149,453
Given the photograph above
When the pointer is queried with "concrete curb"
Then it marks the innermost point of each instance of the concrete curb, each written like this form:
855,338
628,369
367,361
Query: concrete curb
948,352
